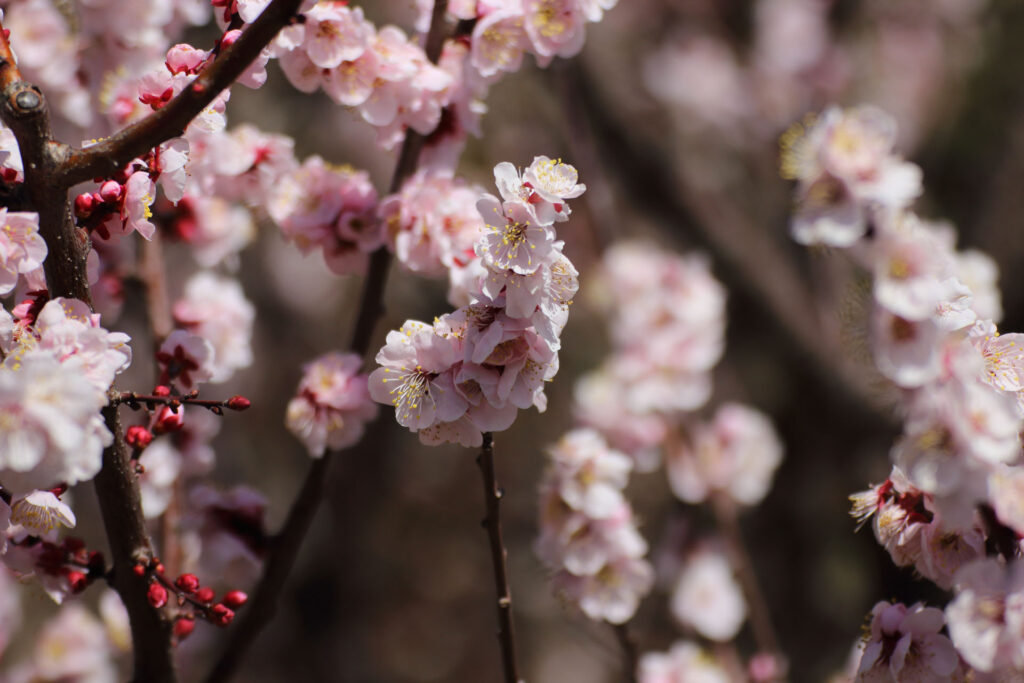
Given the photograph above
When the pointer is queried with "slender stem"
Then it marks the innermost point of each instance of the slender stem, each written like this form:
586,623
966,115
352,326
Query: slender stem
630,658
499,557
760,615
110,155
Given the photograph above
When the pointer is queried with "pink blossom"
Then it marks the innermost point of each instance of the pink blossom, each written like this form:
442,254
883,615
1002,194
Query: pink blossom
332,404
613,594
512,239
185,360
216,309
708,598
904,644
334,34
555,27
40,514
21,247
686,662
986,618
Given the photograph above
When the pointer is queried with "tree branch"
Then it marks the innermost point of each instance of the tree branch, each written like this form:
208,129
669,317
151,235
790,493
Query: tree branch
629,653
110,155
499,557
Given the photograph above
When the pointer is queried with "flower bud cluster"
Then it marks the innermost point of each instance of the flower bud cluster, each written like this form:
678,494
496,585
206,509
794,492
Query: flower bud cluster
332,405
473,369
934,336
188,599
588,535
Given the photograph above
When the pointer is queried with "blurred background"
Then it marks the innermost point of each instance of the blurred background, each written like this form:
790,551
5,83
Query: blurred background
672,114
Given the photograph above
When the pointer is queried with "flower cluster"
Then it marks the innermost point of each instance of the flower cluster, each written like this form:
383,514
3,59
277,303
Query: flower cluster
958,471
638,394
58,365
588,533
904,644
382,72
333,404
330,208
22,250
473,369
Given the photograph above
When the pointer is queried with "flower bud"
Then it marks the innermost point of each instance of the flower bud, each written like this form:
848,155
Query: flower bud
110,191
188,583
138,436
235,599
84,204
77,580
238,403
157,595
204,595
168,420
183,628
161,390
221,615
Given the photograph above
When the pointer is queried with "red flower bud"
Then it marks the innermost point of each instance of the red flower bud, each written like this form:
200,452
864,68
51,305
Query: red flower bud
188,583
238,403
157,595
138,436
77,580
139,570
84,204
221,615
183,628
167,420
204,595
161,390
235,599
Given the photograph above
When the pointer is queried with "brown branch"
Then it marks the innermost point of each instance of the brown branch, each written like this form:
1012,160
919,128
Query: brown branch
24,111
499,557
630,658
110,155
286,544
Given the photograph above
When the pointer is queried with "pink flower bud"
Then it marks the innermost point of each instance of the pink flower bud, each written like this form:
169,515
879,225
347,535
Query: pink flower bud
221,615
138,436
229,38
84,204
204,595
110,191
168,420
161,390
139,570
157,595
183,628
77,580
235,599
188,583
239,403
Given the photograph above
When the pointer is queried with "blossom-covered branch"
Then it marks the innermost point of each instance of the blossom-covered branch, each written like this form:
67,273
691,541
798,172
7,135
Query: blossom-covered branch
111,154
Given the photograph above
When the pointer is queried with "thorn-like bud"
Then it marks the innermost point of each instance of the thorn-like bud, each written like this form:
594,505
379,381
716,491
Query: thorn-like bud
138,436
239,403
157,595
189,583
235,599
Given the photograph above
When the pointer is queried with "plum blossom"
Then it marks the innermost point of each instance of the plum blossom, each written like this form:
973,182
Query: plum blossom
844,168
708,598
40,514
685,662
904,644
736,454
332,405
986,618
50,427
185,360
22,249
215,308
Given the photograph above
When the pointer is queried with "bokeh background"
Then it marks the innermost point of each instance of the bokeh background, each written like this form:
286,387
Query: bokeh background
672,114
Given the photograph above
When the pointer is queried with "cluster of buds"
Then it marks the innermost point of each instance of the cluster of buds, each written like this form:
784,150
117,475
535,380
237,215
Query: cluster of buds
62,568
188,597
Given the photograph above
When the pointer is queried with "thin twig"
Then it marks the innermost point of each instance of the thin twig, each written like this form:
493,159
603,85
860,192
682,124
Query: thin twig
629,653
760,615
110,155
499,558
